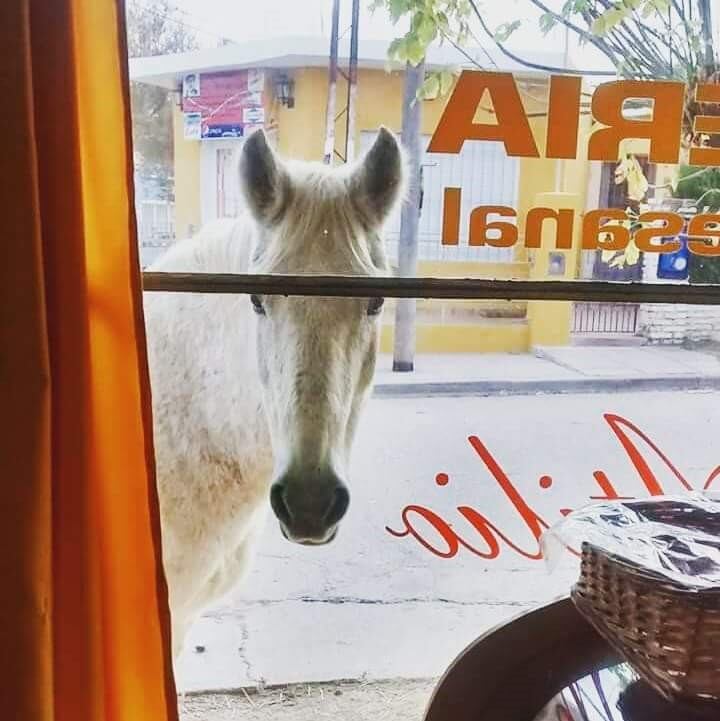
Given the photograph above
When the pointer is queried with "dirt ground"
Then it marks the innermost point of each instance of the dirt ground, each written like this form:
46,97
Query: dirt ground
343,701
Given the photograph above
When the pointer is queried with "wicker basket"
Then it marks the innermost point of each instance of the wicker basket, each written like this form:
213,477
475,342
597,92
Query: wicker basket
669,634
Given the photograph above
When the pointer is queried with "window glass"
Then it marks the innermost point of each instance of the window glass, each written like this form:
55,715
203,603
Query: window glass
554,142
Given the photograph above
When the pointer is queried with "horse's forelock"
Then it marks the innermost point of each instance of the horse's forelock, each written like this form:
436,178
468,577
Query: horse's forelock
321,221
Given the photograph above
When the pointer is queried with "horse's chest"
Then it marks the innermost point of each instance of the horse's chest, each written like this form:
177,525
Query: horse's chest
209,524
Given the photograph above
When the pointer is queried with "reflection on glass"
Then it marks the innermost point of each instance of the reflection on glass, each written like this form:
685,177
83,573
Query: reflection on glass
617,694
516,411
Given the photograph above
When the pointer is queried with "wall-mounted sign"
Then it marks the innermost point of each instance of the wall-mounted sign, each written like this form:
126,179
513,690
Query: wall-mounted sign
191,85
254,116
223,130
556,264
192,126
226,102
675,266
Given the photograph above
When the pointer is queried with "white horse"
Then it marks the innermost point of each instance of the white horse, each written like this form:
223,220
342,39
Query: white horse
262,394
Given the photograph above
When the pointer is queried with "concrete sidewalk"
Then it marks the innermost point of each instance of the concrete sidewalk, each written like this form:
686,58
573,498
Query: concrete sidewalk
566,369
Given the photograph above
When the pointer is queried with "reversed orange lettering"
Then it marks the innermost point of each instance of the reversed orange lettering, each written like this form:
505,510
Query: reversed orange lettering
451,216
614,237
479,226
709,124
661,130
563,120
699,233
564,220
456,124
673,224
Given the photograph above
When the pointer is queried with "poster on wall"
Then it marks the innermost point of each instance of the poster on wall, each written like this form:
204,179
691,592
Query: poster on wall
225,102
191,85
192,126
254,116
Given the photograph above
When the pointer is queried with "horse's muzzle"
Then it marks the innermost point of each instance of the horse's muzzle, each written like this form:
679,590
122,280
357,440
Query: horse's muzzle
329,539
309,509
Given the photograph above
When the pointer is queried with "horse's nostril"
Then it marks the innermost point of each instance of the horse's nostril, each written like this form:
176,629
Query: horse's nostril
279,506
339,506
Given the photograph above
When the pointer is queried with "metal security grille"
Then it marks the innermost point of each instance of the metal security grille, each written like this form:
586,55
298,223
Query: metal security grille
604,318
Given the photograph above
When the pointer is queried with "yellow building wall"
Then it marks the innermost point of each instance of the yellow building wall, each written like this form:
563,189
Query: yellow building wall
299,133
549,321
187,180
301,129
471,338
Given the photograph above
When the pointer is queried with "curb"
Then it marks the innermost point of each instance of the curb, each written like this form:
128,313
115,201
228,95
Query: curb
554,387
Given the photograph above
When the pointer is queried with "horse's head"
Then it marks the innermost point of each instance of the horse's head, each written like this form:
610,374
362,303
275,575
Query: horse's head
316,355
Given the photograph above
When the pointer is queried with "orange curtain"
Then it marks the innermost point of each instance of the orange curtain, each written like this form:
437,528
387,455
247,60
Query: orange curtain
84,623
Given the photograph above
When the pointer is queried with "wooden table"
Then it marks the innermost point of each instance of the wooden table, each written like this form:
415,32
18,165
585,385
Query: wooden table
546,665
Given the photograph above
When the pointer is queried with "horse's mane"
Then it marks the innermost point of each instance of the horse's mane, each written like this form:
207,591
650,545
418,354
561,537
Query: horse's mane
320,218
221,246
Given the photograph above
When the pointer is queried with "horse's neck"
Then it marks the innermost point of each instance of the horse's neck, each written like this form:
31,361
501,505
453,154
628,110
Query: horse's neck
202,346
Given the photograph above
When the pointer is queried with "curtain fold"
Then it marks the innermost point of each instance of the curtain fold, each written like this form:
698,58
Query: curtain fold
85,622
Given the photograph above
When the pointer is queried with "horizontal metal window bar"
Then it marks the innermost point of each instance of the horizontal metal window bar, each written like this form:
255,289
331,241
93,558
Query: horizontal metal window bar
440,288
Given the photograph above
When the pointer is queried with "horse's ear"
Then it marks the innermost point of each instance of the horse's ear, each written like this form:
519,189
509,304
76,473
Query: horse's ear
263,179
378,182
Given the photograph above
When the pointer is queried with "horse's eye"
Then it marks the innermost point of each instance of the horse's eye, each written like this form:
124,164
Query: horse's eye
257,304
375,306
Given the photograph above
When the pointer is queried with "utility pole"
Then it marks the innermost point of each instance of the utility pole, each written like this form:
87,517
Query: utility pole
404,344
329,149
707,31
346,153
352,84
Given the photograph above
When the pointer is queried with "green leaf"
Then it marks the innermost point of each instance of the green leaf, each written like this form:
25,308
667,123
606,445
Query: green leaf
430,89
426,29
446,82
397,50
443,23
614,17
574,6
547,22
598,26
655,6
504,31
397,8
414,51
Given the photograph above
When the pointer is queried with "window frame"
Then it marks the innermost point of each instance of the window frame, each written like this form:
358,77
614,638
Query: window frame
438,288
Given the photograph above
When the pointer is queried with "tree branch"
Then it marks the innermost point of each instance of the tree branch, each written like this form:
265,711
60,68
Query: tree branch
466,54
692,60
656,64
646,63
527,63
565,21
645,29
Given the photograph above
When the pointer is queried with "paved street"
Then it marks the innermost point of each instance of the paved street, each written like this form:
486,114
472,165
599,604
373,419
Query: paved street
377,604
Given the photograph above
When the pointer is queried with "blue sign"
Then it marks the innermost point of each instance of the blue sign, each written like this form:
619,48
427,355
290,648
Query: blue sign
674,266
229,130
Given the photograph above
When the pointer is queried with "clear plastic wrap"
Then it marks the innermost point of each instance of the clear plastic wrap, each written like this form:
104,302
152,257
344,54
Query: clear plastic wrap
676,537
